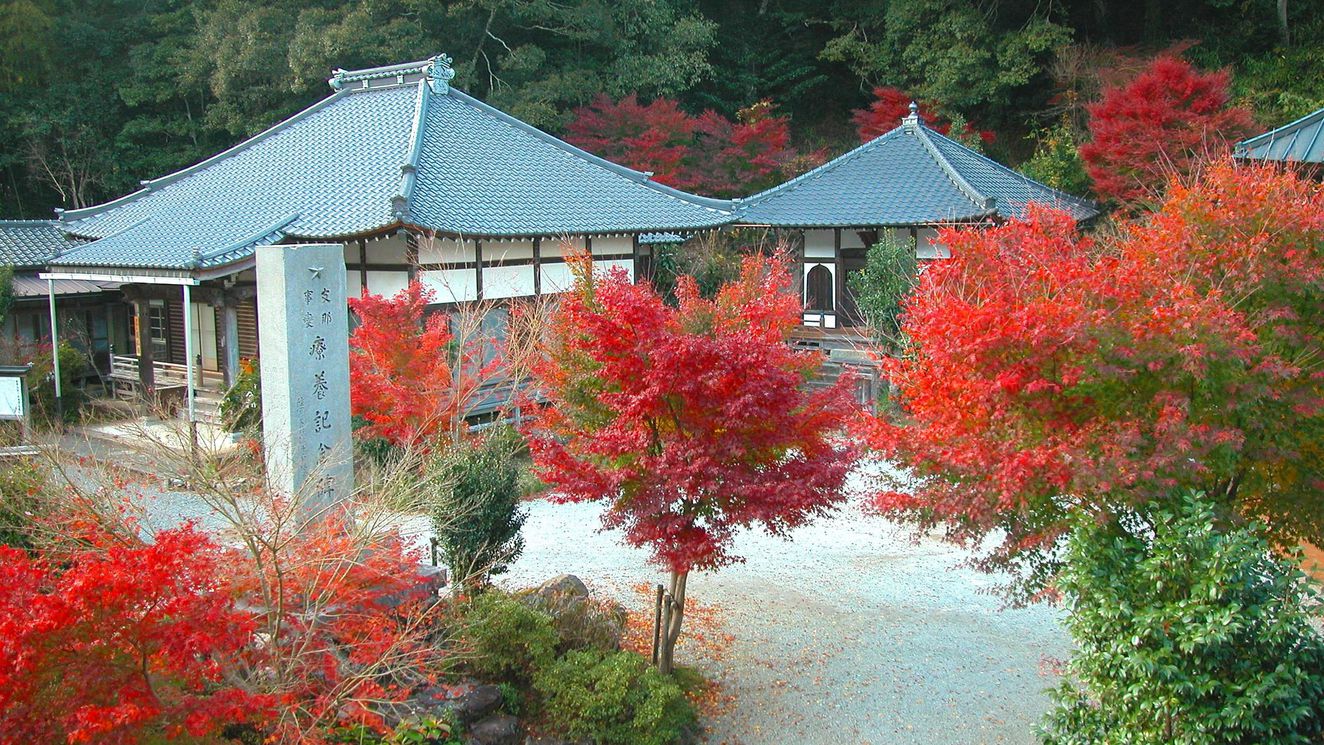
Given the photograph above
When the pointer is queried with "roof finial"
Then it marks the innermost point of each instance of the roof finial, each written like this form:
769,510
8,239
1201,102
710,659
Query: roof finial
913,118
440,73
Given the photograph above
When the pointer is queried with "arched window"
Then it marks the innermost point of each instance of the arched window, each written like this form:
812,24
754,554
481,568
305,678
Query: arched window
818,289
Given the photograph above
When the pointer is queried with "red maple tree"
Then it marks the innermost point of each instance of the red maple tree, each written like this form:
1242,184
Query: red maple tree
1051,373
692,422
891,105
1157,126
709,154
410,379
116,640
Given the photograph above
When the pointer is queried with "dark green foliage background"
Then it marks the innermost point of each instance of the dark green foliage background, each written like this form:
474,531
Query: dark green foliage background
98,94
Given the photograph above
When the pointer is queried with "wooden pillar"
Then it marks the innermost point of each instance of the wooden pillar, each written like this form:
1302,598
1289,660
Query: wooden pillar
146,373
363,266
840,275
478,269
190,387
537,266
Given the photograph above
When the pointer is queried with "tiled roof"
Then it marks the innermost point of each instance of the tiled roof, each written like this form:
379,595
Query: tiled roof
30,286
484,172
909,176
29,243
392,145
1301,141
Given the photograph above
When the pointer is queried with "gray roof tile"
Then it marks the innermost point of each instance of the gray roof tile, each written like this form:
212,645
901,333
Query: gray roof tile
393,145
1301,141
909,176
28,244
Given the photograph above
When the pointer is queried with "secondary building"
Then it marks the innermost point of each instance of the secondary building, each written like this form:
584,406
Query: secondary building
906,184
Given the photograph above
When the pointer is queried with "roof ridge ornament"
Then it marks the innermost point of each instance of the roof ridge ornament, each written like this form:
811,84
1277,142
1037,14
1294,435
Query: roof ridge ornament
912,119
440,73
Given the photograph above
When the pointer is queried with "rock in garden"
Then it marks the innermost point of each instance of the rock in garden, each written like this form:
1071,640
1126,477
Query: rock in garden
498,729
478,703
562,586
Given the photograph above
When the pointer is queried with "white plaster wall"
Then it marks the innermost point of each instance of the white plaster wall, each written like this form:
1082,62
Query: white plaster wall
451,285
507,281
928,246
385,284
819,244
556,278
617,244
496,252
389,250
851,239
556,246
444,251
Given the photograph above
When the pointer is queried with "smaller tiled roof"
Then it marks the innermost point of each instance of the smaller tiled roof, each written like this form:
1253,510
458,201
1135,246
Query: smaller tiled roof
911,175
27,244
29,286
1301,141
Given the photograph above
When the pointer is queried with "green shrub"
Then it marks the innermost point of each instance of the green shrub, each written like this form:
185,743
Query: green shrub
889,273
613,699
476,513
241,406
509,641
41,383
1189,631
23,497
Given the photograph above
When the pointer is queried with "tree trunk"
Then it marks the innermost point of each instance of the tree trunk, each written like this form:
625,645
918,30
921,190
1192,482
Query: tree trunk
673,614
1284,30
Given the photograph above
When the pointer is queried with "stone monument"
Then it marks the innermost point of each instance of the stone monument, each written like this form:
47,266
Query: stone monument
304,343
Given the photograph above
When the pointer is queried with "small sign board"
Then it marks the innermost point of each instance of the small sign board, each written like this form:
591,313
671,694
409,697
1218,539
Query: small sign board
14,392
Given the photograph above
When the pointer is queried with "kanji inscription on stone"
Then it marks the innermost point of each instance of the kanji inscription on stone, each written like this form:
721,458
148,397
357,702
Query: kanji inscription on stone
304,346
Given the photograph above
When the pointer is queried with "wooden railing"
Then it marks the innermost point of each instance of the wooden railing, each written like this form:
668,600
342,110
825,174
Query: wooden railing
125,368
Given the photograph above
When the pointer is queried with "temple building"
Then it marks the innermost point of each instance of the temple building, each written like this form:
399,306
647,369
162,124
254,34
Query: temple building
416,180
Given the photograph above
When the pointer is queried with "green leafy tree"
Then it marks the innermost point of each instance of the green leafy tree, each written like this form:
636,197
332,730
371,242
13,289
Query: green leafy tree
889,274
972,59
6,292
476,512
1056,160
1188,631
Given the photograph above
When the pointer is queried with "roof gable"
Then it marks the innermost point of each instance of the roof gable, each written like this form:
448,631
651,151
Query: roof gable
908,176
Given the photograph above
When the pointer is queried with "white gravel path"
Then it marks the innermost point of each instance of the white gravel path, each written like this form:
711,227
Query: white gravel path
849,633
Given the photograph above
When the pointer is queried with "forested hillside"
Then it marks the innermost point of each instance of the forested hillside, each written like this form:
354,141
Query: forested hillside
98,94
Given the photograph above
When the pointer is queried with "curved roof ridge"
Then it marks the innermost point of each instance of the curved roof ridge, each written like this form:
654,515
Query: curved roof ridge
1038,185
640,177
409,169
974,195
341,76
151,185
846,157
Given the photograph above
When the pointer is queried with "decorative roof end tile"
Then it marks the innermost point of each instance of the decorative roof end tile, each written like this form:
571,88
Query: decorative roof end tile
440,73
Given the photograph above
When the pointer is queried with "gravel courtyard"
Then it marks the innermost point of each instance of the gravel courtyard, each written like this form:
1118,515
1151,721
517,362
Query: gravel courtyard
850,633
